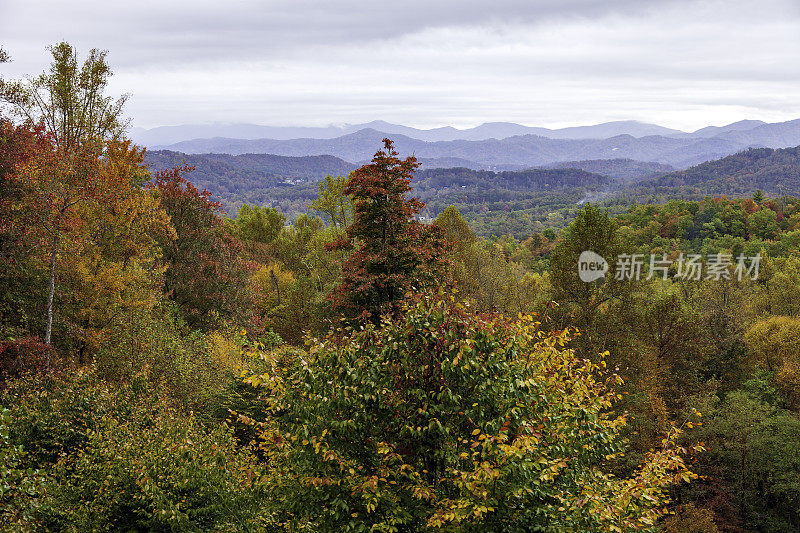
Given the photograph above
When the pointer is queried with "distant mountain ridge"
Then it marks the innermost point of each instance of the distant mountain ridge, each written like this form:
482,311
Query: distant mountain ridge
523,151
166,135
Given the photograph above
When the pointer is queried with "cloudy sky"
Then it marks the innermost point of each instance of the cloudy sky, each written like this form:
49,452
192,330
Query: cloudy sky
678,63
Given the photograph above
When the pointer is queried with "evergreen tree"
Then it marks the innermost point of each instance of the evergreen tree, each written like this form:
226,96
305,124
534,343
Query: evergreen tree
393,252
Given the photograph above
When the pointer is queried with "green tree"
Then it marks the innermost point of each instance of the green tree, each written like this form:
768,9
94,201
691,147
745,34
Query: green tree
258,224
334,202
783,288
69,99
456,229
592,230
763,223
774,345
447,421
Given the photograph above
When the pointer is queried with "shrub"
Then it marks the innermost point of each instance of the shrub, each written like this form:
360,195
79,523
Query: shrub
156,471
27,355
158,344
120,457
53,415
20,487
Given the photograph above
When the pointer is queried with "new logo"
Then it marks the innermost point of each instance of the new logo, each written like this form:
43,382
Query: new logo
591,266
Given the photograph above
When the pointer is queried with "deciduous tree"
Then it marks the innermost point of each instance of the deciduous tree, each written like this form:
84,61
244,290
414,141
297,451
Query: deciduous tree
205,273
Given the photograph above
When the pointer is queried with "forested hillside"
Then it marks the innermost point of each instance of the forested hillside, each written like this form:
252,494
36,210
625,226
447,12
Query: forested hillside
291,184
775,172
170,365
626,170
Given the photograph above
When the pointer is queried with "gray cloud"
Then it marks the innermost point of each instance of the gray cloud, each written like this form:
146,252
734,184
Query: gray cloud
198,31
685,63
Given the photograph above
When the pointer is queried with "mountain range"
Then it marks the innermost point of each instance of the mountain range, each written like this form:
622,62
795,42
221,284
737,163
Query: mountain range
519,150
166,135
499,202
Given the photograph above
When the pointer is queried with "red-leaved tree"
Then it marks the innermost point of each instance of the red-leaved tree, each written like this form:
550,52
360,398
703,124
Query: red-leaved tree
206,275
392,251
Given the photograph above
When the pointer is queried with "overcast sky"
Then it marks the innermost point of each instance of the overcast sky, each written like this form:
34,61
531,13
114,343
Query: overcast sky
679,63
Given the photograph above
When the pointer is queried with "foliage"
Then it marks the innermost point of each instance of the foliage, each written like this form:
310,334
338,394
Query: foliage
20,487
205,273
21,278
118,456
592,230
393,252
96,227
157,470
448,421
28,355
751,468
258,224
69,99
775,346
334,202
456,229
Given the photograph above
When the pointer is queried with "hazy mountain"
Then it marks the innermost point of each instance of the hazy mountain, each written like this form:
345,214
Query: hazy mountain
513,152
779,135
679,150
713,131
164,136
613,129
167,135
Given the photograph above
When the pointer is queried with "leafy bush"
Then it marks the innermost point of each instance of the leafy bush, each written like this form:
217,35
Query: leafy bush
21,356
156,471
19,486
119,457
53,416
198,371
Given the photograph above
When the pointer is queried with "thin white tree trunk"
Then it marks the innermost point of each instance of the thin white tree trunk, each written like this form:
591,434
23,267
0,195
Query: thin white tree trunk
51,291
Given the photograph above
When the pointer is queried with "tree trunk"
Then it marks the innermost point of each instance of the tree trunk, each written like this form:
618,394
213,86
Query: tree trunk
51,292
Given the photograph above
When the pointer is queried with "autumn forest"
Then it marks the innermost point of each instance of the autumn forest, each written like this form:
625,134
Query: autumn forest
173,362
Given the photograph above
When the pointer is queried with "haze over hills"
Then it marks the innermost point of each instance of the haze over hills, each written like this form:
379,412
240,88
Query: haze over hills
679,150
166,135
